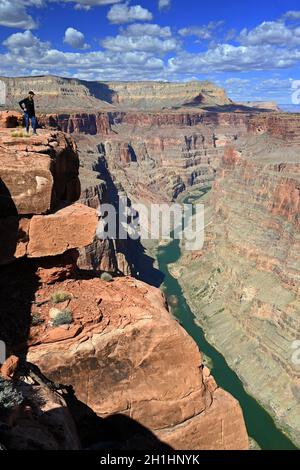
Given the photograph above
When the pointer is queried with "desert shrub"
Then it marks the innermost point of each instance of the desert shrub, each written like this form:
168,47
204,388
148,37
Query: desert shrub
9,396
36,320
58,297
20,134
65,317
106,277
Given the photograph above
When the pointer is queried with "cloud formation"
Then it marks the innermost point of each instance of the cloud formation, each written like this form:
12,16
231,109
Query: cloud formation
123,13
88,4
75,38
292,15
144,50
164,4
271,32
202,32
13,13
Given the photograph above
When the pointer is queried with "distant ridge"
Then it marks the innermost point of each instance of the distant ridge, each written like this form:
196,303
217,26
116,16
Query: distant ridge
69,94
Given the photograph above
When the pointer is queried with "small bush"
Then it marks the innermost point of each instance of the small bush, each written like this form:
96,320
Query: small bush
106,277
58,297
20,134
36,320
63,318
9,396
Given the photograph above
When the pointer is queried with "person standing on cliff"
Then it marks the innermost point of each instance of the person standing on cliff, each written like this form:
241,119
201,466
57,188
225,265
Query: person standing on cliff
27,105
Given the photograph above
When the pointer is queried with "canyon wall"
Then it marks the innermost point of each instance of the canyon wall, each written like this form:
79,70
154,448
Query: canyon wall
158,155
123,380
64,94
244,286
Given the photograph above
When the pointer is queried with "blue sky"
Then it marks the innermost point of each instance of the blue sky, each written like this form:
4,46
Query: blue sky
252,49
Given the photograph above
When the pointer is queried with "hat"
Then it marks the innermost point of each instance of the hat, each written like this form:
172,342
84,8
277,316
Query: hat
31,93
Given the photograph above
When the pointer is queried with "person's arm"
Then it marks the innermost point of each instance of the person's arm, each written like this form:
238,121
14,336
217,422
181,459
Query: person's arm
21,103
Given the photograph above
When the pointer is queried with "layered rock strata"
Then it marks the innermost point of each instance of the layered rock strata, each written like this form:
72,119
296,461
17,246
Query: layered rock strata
112,346
56,93
244,286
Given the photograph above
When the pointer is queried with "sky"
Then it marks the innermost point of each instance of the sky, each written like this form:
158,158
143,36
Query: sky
251,48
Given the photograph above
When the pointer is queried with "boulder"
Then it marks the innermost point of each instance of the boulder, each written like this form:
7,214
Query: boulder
120,361
71,227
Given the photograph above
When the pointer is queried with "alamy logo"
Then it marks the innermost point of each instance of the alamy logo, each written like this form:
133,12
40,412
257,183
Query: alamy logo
296,354
153,222
2,92
296,92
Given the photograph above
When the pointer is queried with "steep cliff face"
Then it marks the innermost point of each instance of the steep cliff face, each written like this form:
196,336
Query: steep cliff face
89,123
280,125
157,95
114,353
63,94
244,285
39,175
112,345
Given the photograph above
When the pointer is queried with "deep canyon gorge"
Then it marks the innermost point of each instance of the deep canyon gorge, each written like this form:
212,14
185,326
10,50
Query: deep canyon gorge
127,372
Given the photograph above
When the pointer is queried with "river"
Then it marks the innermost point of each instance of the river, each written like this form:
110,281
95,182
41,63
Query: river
260,425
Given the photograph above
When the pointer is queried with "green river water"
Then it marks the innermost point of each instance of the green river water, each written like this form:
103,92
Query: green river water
260,425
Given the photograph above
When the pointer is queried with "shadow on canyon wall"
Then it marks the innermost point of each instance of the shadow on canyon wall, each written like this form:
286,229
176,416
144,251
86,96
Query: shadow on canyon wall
141,264
18,285
116,432
18,282
101,91
235,108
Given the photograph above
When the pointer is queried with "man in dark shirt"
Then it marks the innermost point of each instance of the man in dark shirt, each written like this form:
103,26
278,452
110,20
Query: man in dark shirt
27,105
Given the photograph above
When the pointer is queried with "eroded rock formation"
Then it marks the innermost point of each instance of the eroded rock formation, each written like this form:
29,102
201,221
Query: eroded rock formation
113,355
63,94
113,348
244,286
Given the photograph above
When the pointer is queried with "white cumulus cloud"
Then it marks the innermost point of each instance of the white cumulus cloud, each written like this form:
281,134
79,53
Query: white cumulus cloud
202,32
229,58
292,15
163,4
139,29
120,14
270,32
88,4
143,43
75,38
13,13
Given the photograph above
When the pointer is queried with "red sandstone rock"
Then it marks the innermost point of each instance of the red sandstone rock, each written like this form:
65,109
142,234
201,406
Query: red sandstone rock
48,235
122,361
35,175
9,367
97,123
71,227
57,268
26,182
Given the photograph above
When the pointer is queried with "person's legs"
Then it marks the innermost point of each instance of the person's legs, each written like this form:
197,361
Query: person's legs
34,124
26,117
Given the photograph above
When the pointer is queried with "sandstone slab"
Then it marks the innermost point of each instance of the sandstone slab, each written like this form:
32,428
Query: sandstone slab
71,227
123,362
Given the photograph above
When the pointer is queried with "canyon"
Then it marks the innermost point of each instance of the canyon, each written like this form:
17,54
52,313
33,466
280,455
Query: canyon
104,376
153,142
